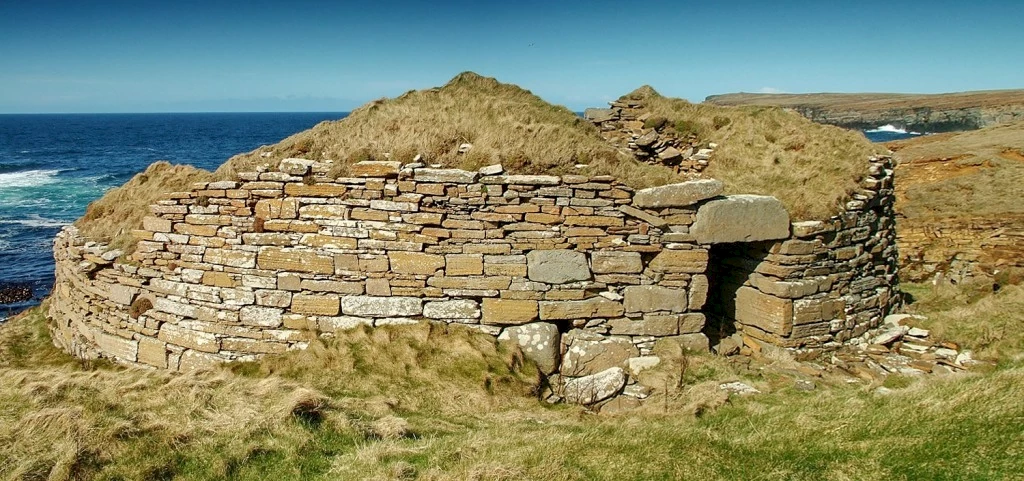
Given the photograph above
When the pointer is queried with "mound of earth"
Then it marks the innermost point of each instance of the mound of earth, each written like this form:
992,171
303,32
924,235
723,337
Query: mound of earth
474,121
811,168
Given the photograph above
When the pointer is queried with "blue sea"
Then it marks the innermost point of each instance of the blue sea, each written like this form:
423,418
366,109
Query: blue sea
52,166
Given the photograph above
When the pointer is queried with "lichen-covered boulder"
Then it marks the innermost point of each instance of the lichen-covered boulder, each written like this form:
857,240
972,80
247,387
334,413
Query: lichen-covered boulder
539,342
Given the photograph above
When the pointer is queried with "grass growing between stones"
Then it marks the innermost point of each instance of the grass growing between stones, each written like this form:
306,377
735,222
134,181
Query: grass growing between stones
421,402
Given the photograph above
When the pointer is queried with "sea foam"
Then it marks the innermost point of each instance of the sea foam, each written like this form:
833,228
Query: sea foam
887,128
28,178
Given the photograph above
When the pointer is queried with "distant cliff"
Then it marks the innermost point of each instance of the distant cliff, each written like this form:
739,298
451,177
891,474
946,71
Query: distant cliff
914,112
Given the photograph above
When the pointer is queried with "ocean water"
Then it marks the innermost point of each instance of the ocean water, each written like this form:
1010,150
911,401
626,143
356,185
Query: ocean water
52,166
889,132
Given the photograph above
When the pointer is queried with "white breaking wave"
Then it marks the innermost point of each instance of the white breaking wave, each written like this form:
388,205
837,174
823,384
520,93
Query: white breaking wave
36,221
888,128
28,178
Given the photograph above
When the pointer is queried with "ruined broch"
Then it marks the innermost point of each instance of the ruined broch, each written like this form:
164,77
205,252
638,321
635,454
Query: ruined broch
580,271
583,273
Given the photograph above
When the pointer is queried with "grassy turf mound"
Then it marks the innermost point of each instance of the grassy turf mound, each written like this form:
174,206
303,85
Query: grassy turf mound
504,123
112,217
811,168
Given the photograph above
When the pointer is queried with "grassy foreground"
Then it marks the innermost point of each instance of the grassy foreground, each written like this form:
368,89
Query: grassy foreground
429,403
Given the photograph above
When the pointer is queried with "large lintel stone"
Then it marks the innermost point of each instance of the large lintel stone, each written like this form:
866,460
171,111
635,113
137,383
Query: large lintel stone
740,218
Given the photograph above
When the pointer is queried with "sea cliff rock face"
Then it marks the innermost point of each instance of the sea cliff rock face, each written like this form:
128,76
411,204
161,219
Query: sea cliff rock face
958,250
922,119
920,113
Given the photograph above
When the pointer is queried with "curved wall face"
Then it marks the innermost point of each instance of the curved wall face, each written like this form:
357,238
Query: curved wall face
583,273
232,270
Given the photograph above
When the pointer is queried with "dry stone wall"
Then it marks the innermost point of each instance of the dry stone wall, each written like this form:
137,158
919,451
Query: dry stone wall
650,139
583,273
231,270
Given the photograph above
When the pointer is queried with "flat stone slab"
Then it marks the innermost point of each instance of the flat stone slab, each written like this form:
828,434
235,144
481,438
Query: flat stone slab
740,218
678,195
600,115
557,266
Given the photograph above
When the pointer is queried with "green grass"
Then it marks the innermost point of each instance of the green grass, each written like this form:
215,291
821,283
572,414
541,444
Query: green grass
426,402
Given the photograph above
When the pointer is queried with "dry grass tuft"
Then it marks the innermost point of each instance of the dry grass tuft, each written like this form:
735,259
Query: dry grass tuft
112,217
990,323
422,402
811,168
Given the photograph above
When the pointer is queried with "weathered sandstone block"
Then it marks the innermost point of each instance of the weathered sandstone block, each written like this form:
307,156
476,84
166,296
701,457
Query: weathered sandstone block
415,262
294,166
654,298
693,261
454,309
504,312
260,316
596,307
456,176
768,313
273,258
588,353
315,305
230,257
741,218
373,168
595,387
464,265
539,342
381,306
615,262
119,347
678,195
156,224
557,266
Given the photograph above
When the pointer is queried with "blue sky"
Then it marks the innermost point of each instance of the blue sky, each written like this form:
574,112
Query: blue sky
141,56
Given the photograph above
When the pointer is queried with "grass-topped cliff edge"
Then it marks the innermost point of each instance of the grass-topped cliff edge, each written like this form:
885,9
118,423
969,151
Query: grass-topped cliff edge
809,167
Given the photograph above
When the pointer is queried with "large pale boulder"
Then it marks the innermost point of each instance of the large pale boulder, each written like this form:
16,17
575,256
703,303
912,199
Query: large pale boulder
539,342
595,387
740,218
678,195
557,266
587,352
